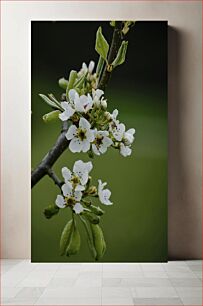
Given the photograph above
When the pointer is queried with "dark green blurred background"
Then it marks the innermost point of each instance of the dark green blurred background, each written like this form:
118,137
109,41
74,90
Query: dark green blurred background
135,227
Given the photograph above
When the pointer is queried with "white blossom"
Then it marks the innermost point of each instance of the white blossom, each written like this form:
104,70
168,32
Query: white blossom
70,198
118,131
80,137
83,103
69,107
127,140
104,194
101,142
79,177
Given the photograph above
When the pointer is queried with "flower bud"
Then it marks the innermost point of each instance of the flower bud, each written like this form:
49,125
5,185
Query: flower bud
50,211
51,116
91,217
104,104
92,190
107,115
97,102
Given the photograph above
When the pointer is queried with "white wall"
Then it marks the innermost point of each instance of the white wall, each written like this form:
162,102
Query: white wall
184,112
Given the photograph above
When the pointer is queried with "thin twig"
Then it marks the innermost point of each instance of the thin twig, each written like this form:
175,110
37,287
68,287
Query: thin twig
54,177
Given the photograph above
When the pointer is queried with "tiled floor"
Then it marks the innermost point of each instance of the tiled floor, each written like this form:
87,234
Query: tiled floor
173,283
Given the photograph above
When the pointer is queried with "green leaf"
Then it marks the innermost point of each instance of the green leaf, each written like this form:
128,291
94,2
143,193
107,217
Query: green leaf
100,66
74,243
79,83
65,237
101,46
89,238
120,57
98,239
50,211
51,96
96,210
112,23
127,26
49,101
51,116
63,83
72,77
91,217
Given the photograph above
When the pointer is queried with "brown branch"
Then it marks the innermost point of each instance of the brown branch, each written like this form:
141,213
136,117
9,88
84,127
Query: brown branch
115,45
45,166
50,158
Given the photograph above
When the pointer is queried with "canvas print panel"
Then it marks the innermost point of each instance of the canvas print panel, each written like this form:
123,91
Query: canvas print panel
99,141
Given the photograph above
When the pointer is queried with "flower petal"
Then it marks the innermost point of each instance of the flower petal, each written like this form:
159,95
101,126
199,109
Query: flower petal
78,195
78,105
79,188
72,131
95,149
131,131
78,208
90,135
105,197
83,123
66,173
72,94
119,131
85,145
125,150
60,201
98,93
75,145
107,141
67,189
64,116
102,148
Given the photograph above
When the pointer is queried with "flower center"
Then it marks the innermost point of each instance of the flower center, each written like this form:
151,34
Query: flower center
75,180
82,134
70,201
98,140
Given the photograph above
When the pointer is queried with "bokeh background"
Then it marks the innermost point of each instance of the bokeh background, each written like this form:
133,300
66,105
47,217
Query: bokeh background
135,227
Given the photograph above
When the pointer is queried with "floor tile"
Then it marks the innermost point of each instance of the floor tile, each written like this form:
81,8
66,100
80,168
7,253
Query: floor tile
152,267
117,301
157,301
152,292
9,292
30,292
177,268
193,262
116,292
69,301
185,282
155,274
181,274
147,282
72,292
122,274
189,291
61,282
112,282
22,301
192,301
